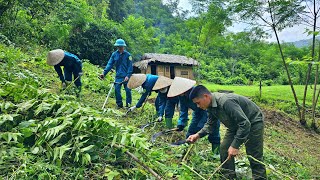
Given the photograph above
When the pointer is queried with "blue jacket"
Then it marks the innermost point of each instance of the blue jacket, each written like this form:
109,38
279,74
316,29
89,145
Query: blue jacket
147,86
123,63
71,63
185,104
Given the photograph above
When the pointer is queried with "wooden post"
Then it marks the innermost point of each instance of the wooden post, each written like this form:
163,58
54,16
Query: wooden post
260,89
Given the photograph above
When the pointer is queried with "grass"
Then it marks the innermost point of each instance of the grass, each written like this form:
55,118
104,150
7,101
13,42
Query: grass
279,97
277,92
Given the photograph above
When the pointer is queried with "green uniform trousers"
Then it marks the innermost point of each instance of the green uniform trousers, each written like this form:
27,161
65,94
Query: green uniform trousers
254,148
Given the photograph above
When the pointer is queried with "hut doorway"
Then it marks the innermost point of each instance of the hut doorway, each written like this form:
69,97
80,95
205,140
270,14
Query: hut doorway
172,74
154,69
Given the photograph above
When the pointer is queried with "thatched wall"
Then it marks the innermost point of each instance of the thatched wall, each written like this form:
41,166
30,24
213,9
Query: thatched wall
183,66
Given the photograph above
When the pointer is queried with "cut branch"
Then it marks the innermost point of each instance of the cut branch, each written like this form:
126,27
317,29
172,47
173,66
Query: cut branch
139,162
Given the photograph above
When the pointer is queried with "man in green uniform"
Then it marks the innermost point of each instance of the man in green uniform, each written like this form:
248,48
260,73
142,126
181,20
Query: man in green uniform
244,122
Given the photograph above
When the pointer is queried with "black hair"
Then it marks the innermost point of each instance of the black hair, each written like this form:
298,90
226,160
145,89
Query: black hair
198,91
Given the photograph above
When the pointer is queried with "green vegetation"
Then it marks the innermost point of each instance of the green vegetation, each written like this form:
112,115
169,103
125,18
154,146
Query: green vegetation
278,96
46,133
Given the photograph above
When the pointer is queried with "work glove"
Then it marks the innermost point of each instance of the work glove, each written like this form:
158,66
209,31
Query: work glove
131,109
159,119
63,85
180,127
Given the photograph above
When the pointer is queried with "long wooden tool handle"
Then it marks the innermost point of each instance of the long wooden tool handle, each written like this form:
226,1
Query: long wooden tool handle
105,102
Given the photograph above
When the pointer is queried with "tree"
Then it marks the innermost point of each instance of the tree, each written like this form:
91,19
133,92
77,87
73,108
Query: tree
95,43
310,17
274,14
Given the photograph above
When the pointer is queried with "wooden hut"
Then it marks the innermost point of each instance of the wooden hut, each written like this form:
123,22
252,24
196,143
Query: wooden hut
167,65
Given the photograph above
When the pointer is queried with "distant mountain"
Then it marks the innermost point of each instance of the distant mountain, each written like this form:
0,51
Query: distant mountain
304,42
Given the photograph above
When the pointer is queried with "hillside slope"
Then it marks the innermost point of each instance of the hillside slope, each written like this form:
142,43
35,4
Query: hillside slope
49,134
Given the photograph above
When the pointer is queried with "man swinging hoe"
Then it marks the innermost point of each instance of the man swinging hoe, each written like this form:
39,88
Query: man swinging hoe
245,126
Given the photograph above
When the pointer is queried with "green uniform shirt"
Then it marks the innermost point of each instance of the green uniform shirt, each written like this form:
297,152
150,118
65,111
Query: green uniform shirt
236,112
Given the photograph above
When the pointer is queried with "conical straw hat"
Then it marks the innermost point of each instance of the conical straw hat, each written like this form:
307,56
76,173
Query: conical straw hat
180,85
136,80
162,82
55,57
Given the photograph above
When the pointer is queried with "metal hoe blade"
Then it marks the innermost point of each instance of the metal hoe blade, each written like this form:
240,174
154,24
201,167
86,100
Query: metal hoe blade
154,137
180,142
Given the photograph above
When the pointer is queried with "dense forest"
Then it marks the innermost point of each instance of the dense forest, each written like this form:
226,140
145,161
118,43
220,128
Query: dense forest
88,28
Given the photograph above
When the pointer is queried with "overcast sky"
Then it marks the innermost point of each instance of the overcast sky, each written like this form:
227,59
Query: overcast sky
295,33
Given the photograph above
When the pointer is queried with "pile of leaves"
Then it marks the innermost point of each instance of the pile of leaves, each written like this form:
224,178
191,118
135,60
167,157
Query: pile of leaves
45,135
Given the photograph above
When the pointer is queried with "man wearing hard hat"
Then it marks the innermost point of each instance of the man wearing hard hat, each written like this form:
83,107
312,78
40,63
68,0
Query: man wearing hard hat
122,60
71,64
182,87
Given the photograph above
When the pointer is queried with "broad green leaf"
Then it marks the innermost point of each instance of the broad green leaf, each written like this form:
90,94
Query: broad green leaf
126,172
25,106
35,150
86,148
86,158
112,174
60,110
8,105
114,140
123,139
143,145
57,139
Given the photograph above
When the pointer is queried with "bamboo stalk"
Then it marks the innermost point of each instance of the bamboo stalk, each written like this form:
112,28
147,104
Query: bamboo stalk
218,168
195,172
186,155
70,84
141,163
249,156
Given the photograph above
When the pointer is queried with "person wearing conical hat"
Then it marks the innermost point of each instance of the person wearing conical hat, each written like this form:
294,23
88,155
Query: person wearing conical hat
182,87
71,63
166,106
122,60
147,81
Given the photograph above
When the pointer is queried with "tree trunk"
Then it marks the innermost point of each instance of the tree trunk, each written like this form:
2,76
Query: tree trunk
288,74
303,119
315,96
284,62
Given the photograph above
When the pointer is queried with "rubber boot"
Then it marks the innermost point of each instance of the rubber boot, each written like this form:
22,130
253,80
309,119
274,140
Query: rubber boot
216,150
169,123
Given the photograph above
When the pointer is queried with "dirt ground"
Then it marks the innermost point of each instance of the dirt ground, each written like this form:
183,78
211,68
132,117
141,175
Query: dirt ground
289,139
